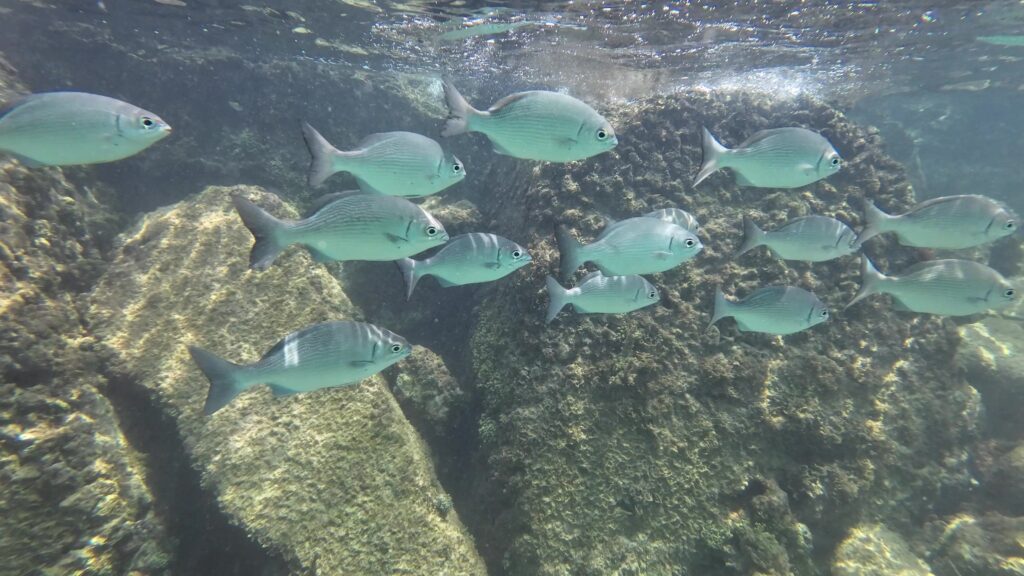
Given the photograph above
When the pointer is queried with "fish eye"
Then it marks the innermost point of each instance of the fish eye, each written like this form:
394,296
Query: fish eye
836,161
1010,293
147,122
824,314
652,294
396,348
517,254
431,231
602,134
456,168
689,242
1009,225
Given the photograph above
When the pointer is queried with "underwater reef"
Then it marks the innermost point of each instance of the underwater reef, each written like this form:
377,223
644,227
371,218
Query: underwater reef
336,482
878,443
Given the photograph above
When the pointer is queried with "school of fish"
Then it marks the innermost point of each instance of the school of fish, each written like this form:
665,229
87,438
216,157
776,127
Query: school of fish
378,222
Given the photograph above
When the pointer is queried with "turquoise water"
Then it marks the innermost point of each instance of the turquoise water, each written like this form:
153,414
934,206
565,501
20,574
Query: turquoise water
621,434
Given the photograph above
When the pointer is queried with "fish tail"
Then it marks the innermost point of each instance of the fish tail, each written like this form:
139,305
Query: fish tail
752,236
722,308
870,281
876,222
569,257
712,159
558,297
266,230
459,111
323,154
223,377
409,274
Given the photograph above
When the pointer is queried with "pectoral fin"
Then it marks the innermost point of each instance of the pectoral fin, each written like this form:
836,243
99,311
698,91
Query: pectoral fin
492,265
806,169
395,239
361,363
663,255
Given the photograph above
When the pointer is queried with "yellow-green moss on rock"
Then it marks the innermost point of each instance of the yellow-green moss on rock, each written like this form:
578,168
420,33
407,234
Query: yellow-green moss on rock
874,550
336,481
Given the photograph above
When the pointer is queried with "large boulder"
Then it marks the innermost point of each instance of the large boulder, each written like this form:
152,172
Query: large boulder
633,444
874,550
336,481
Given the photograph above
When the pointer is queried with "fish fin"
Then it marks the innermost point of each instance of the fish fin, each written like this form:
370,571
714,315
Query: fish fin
368,188
742,180
499,149
492,265
869,281
360,363
899,306
459,111
222,376
721,309
663,255
589,276
279,390
28,162
395,239
568,142
446,283
753,236
319,256
408,268
712,159
266,231
321,167
875,223
558,297
807,169
326,199
569,258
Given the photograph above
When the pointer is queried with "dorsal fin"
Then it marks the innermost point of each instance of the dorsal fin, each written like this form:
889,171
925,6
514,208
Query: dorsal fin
326,199
590,276
511,98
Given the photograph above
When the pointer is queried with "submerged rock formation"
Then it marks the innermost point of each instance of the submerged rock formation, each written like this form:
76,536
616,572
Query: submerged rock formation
73,497
336,481
649,444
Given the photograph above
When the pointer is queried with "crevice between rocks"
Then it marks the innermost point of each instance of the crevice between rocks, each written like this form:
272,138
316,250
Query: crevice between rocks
206,542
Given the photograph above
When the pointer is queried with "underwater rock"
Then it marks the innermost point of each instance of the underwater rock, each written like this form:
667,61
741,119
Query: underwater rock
73,493
991,544
335,481
428,392
992,355
874,550
628,443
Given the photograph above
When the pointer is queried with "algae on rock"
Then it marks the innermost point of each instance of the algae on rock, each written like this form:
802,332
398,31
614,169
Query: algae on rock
874,550
644,443
335,481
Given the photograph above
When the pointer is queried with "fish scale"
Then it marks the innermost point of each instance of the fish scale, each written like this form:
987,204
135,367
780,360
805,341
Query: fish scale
946,287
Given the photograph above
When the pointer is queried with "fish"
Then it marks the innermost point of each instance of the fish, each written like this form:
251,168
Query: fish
776,158
73,128
600,294
389,163
772,310
466,259
945,222
352,227
638,245
676,216
535,125
810,238
943,287
323,355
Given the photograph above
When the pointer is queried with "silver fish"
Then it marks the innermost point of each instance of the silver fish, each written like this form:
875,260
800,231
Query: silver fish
943,287
319,356
535,125
946,222
466,259
390,163
776,158
70,128
638,245
772,310
675,216
352,227
600,294
810,239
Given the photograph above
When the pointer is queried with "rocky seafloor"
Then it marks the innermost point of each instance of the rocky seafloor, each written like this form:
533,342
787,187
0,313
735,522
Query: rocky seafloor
878,443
